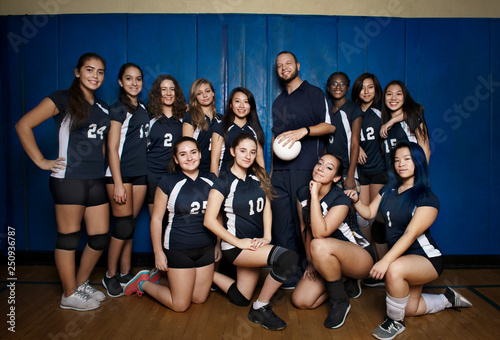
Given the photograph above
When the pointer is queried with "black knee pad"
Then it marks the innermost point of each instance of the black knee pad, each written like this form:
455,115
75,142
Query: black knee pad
236,297
98,242
378,232
284,263
124,228
68,241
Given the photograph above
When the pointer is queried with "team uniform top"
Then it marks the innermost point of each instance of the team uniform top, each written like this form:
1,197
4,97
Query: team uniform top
204,138
397,216
398,132
370,141
163,133
304,107
340,142
334,197
233,131
82,147
187,201
133,138
244,203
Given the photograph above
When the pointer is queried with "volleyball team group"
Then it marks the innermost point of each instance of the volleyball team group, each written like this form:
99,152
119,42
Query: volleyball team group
355,204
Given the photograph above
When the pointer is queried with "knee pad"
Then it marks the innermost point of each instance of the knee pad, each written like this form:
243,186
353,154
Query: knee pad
284,263
236,297
68,241
378,232
124,228
98,242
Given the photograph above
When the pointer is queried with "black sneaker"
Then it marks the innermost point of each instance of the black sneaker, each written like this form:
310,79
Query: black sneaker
456,300
266,318
389,329
112,285
371,282
125,278
337,313
352,287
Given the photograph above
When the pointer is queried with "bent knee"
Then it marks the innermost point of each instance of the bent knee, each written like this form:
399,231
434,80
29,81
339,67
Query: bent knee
181,307
318,247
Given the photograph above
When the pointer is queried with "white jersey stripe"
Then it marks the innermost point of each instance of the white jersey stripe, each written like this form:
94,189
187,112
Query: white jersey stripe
231,217
171,208
63,146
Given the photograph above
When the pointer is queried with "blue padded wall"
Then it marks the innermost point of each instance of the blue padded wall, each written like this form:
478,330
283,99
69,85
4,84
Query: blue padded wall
451,66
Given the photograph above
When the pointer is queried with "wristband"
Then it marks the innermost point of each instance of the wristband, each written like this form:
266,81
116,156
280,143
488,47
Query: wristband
308,130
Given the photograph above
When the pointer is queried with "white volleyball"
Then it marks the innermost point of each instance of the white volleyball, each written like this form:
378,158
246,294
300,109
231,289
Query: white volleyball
285,153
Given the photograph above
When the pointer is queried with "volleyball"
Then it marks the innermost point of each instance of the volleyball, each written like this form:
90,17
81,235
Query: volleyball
285,153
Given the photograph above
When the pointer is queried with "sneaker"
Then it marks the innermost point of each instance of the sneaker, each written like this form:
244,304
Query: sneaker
337,313
91,291
371,282
352,287
389,329
112,285
125,278
456,299
133,287
266,317
154,275
79,301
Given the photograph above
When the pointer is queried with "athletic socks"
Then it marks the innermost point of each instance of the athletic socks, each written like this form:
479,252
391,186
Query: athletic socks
257,304
435,302
396,307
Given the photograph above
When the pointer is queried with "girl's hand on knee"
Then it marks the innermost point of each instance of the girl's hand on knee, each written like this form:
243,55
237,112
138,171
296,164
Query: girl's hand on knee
260,242
310,272
245,244
379,270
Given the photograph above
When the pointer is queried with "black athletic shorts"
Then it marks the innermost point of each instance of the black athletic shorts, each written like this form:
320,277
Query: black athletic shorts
135,180
86,192
231,254
372,177
151,192
190,258
438,264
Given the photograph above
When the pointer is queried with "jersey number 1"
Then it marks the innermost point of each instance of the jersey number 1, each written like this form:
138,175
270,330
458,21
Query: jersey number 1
259,206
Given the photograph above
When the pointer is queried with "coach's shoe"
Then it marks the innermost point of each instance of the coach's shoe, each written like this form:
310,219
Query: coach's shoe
456,299
389,329
133,287
112,285
154,275
91,291
352,287
79,301
337,313
266,317
125,278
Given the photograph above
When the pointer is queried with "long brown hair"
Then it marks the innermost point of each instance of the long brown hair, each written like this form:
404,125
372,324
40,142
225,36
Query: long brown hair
155,100
260,172
172,165
123,95
78,107
197,115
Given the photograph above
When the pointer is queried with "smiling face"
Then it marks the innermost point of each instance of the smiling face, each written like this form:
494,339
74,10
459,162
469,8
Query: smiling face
338,87
394,98
287,67
167,88
91,74
325,170
403,163
244,153
240,105
188,156
131,81
368,91
205,95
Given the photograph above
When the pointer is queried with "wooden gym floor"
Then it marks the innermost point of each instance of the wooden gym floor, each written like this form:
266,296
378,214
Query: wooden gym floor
37,295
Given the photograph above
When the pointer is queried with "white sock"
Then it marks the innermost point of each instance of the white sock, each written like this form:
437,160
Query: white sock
257,304
396,307
122,275
434,302
107,275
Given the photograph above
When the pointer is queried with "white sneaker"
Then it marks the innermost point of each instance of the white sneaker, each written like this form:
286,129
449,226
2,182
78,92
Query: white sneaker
79,301
91,291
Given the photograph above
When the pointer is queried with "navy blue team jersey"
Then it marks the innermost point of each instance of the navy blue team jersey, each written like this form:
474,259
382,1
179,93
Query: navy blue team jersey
370,141
334,197
399,131
82,147
187,201
340,142
163,133
204,138
397,216
304,107
244,203
133,138
233,131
